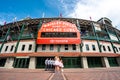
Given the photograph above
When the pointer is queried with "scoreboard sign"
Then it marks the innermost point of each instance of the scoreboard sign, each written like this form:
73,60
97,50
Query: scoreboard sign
58,32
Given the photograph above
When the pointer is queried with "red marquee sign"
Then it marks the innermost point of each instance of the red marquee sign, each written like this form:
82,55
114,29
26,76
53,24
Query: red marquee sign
46,34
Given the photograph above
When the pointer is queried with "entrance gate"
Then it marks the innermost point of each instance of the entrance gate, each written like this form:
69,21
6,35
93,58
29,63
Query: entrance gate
94,62
72,62
40,62
69,62
112,61
2,62
21,63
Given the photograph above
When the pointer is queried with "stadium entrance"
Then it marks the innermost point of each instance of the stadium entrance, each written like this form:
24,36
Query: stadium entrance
72,62
69,62
40,62
21,63
94,62
112,61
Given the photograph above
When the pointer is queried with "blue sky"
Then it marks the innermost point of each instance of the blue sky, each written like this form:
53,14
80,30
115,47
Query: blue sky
83,9
23,8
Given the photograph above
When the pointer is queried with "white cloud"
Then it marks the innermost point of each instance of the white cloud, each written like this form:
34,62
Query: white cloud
94,8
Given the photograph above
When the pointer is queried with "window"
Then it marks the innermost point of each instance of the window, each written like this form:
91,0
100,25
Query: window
116,49
12,48
109,48
93,47
23,47
66,47
51,47
73,47
6,48
30,47
43,47
104,48
59,45
87,47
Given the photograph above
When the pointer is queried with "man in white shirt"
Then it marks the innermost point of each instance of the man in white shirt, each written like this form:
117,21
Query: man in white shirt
46,64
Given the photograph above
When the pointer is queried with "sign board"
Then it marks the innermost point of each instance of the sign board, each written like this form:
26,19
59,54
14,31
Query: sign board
60,27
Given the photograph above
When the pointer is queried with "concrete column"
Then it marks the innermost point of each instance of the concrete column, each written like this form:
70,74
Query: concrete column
118,60
105,62
84,62
9,63
32,64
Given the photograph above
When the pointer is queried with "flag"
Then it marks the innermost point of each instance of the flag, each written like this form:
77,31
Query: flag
60,15
90,18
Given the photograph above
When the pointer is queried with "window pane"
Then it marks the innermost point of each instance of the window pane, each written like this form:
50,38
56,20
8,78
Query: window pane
51,47
6,48
104,48
23,47
11,47
87,47
93,47
30,47
116,49
73,47
66,47
43,47
109,48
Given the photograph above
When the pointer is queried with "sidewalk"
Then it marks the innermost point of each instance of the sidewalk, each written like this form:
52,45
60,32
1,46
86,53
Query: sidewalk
93,74
68,74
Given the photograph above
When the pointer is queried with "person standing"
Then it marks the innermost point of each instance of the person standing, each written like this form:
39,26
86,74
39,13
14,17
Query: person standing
57,68
46,64
52,64
61,65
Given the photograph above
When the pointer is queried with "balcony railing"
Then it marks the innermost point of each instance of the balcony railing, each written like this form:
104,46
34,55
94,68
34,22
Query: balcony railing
88,37
93,37
27,36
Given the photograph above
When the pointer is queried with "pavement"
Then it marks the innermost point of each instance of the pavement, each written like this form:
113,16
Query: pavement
68,74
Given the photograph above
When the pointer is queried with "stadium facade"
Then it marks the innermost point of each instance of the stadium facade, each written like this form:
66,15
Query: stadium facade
80,43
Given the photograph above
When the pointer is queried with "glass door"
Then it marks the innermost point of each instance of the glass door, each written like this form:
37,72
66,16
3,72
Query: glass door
72,62
112,61
21,63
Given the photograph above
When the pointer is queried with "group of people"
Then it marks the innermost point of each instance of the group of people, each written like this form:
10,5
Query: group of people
49,64
55,64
